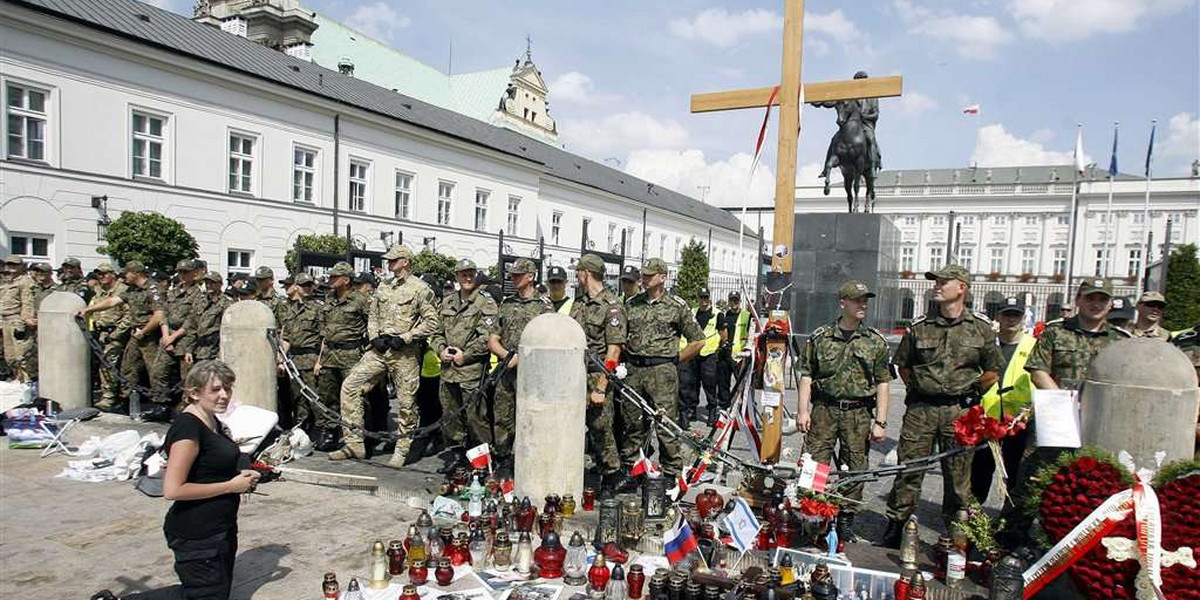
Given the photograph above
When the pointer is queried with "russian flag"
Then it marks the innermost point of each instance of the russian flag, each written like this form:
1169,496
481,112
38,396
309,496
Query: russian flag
679,541
813,475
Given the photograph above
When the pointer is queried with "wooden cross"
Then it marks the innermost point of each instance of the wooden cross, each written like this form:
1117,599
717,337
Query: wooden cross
788,101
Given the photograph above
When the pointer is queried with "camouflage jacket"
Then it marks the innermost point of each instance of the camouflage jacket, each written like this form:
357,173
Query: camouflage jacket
1065,350
344,329
16,299
465,324
843,368
603,320
177,305
402,307
947,356
515,313
1188,341
75,286
142,302
203,324
114,317
655,326
40,292
300,326
1155,331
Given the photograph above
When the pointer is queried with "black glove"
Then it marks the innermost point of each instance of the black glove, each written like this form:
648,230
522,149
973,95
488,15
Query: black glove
380,344
396,342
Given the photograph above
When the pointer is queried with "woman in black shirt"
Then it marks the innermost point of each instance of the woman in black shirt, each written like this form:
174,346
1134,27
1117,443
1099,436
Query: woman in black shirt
203,480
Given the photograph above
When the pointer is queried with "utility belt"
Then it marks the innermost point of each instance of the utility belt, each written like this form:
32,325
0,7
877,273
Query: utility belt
209,340
844,403
302,351
350,345
104,328
963,400
634,360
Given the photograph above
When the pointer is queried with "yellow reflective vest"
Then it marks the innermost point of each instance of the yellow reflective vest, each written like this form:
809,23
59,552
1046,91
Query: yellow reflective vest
741,332
431,365
565,309
712,339
1015,383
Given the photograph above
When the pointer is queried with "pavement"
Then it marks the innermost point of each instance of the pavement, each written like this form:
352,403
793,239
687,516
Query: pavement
64,539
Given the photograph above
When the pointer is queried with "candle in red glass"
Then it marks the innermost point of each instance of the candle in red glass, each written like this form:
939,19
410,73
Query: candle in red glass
783,533
549,556
764,541
545,523
526,515
409,592
460,553
598,575
636,579
395,554
588,500
418,573
444,572
901,587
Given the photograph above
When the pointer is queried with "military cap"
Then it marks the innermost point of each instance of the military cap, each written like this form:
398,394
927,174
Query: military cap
13,259
398,251
654,266
264,272
366,277
465,264
447,286
186,264
735,297
1012,304
162,275
630,273
104,267
71,261
43,267
1122,308
854,290
92,275
522,265
244,287
304,279
950,271
341,268
1153,298
212,276
557,273
1093,285
590,263
135,266
289,280
703,293
200,263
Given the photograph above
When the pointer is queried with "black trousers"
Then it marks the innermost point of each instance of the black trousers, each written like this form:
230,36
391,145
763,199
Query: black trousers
984,465
205,566
694,375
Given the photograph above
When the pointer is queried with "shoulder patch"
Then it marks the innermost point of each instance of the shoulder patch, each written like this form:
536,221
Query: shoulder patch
877,333
1123,332
820,330
485,294
982,316
680,301
918,319
545,300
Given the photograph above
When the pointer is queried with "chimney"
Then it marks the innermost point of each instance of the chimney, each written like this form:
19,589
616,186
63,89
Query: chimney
346,66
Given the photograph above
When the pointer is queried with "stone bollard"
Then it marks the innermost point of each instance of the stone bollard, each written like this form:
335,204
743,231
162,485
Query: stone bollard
1141,396
245,348
551,404
64,359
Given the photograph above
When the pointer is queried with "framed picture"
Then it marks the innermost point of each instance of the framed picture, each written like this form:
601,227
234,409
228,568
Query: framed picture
533,591
863,584
803,563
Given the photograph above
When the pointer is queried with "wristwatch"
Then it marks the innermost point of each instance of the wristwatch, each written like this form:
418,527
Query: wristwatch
882,424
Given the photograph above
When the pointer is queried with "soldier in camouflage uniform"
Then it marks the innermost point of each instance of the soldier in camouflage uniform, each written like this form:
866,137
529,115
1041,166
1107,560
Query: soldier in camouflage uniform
461,345
111,328
17,317
602,317
42,276
343,339
947,361
300,327
656,322
203,325
401,317
178,304
1150,309
1188,341
515,313
844,371
70,279
264,281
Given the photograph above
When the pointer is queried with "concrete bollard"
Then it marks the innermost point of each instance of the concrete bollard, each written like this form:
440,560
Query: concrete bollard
1141,396
245,348
551,404
64,359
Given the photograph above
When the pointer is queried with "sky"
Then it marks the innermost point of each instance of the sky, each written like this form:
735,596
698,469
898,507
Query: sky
621,72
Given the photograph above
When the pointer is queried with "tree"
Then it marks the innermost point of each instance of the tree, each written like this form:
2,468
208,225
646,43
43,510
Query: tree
1183,288
328,243
430,261
693,271
151,238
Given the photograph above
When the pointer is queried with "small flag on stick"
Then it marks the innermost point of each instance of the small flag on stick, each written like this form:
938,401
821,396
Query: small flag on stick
742,525
644,466
679,541
813,475
480,457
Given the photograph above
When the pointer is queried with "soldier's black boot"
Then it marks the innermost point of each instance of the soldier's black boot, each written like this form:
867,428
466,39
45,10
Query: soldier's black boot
620,482
845,527
891,536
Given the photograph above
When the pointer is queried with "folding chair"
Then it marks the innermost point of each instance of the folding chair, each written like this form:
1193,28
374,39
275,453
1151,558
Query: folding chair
63,422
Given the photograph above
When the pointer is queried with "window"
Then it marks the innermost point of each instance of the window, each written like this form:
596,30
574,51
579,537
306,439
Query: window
678,249
966,258
241,163
1000,219
31,247
908,258
27,113
481,209
1031,220
662,244
939,221
1063,220
1028,260
629,241
239,261
1135,262
304,174
147,145
404,183
514,214
555,227
445,195
585,233
1060,261
936,257
357,199
910,220
997,261
968,219
1101,262
612,235
1103,218
1176,220
1139,218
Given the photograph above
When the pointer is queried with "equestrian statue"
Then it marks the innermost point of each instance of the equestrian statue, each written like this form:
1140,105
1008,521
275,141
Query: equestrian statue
853,148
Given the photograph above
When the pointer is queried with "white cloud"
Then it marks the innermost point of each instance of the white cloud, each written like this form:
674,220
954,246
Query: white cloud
834,24
972,36
577,88
995,147
618,133
685,171
1183,137
817,47
913,103
719,27
377,20
1066,20
163,4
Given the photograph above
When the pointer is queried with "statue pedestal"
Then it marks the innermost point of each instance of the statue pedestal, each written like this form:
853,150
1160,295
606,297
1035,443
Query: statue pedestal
832,248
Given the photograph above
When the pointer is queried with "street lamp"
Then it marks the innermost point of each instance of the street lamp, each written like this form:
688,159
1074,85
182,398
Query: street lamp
100,203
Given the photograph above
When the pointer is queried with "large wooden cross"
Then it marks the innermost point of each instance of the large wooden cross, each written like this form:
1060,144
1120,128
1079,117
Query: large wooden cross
788,100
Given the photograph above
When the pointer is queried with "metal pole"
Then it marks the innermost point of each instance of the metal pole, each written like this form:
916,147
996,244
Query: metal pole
337,141
950,239
1108,228
645,236
1146,217
1071,235
1166,257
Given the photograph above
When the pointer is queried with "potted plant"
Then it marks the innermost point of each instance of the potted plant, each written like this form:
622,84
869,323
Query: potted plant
1058,277
1026,277
906,274
994,276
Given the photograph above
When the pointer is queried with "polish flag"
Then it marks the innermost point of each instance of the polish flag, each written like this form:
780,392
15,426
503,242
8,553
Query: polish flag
644,466
480,456
507,487
813,475
971,110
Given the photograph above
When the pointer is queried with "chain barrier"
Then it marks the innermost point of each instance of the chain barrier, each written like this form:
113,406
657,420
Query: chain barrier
314,400
115,371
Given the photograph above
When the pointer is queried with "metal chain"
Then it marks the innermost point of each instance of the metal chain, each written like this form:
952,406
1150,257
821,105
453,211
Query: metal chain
115,371
925,463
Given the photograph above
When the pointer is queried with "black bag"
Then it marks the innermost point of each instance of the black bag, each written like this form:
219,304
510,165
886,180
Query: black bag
150,485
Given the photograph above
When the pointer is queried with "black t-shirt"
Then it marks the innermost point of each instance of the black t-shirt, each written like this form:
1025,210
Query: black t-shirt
216,462
702,317
727,322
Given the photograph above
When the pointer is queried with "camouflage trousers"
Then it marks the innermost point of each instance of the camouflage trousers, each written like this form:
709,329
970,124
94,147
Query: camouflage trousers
659,386
601,437
403,367
18,342
113,343
329,388
469,427
169,366
302,413
504,414
141,357
928,429
850,429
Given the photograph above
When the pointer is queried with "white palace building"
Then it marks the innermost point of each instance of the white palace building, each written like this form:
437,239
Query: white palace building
237,124
1012,227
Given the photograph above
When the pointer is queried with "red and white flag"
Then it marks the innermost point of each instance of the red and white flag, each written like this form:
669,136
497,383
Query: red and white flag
813,475
480,457
644,466
507,487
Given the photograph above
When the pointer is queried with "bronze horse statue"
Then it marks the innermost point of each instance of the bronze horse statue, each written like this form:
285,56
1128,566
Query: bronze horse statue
853,156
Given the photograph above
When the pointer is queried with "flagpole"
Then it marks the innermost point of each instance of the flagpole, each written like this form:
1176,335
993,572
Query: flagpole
1108,214
1146,215
1071,226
